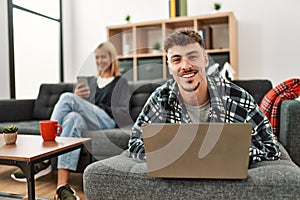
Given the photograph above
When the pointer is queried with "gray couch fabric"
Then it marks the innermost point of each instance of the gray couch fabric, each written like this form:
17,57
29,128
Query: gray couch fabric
120,177
290,128
25,127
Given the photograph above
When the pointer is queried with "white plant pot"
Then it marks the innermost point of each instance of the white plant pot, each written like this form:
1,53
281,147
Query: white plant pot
10,138
156,51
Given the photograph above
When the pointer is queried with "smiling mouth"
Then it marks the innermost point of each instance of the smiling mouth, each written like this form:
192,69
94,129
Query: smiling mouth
188,75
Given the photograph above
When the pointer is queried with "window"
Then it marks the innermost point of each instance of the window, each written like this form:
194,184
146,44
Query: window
35,42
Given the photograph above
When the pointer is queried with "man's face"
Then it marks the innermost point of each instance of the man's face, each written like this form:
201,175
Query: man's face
187,65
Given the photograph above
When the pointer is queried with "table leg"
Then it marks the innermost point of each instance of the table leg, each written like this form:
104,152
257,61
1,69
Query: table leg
28,169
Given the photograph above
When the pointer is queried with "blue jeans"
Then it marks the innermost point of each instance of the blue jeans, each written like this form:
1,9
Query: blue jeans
77,115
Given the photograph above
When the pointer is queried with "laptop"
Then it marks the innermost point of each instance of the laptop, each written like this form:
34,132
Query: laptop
207,150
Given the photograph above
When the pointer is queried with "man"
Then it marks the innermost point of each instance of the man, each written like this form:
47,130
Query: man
193,97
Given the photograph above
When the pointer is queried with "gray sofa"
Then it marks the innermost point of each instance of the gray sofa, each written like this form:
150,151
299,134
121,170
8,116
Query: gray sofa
273,179
120,177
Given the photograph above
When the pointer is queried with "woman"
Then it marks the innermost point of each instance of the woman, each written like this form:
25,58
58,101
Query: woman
77,115
102,104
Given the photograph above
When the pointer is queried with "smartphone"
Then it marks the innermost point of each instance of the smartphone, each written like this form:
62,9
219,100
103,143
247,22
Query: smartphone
82,79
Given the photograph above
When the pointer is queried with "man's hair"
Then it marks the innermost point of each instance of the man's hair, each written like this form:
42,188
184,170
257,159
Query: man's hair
183,37
111,50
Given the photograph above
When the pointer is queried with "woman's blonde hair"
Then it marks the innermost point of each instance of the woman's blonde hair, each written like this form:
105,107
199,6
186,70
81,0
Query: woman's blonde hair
111,50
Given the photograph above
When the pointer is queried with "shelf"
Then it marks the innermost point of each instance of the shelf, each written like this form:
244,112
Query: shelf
125,57
134,42
145,55
217,51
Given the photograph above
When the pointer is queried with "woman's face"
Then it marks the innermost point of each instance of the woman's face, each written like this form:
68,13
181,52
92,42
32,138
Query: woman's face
103,60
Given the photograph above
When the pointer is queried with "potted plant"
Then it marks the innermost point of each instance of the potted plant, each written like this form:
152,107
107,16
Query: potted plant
127,18
156,47
217,7
10,134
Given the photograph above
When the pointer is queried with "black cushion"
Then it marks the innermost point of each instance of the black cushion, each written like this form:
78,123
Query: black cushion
140,91
257,88
47,98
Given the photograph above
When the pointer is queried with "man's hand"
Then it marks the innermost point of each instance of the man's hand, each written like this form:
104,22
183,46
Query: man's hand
82,90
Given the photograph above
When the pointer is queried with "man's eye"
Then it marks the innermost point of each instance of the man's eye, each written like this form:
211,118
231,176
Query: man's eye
175,60
191,57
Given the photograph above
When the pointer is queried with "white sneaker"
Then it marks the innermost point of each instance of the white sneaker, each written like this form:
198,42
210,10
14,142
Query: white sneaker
40,169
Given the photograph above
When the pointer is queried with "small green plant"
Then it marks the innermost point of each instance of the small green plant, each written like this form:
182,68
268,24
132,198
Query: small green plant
127,18
156,46
217,6
10,129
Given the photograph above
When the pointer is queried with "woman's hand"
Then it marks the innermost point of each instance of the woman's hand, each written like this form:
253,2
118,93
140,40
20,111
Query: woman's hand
82,90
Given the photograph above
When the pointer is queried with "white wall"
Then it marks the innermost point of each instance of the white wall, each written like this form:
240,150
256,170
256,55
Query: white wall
4,60
90,18
268,31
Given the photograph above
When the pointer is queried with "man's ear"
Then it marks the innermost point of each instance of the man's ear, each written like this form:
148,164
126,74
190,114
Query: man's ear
168,65
206,59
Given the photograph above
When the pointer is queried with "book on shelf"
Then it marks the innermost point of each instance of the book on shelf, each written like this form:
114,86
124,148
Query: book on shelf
127,43
206,34
177,8
220,36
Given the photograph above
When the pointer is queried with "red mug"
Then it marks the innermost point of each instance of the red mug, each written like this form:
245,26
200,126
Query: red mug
49,129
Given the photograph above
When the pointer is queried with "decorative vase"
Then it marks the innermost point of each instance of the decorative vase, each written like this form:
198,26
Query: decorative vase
10,138
156,51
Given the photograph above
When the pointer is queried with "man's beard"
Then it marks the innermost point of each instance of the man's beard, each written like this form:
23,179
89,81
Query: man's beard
191,89
187,89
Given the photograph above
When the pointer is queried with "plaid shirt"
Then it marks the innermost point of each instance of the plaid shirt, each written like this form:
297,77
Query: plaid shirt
228,104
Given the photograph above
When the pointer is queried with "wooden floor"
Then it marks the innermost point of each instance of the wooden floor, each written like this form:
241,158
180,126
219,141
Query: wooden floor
45,187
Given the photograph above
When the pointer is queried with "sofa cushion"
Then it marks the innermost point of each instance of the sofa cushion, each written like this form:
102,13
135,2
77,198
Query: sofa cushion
25,127
49,95
121,177
108,143
47,98
140,91
16,110
257,88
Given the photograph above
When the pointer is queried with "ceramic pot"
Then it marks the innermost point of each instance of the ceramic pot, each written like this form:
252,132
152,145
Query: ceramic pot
156,51
10,138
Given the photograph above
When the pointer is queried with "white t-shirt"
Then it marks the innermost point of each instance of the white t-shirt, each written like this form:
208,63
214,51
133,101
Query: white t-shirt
198,113
102,82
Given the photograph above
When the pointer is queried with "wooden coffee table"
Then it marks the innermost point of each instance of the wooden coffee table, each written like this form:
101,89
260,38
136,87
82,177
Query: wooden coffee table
31,149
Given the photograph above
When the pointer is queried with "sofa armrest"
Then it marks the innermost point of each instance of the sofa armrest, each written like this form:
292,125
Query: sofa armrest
289,134
16,110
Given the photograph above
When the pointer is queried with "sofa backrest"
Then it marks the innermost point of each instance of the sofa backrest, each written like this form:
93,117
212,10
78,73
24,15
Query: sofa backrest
49,95
143,89
47,98
256,87
140,91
